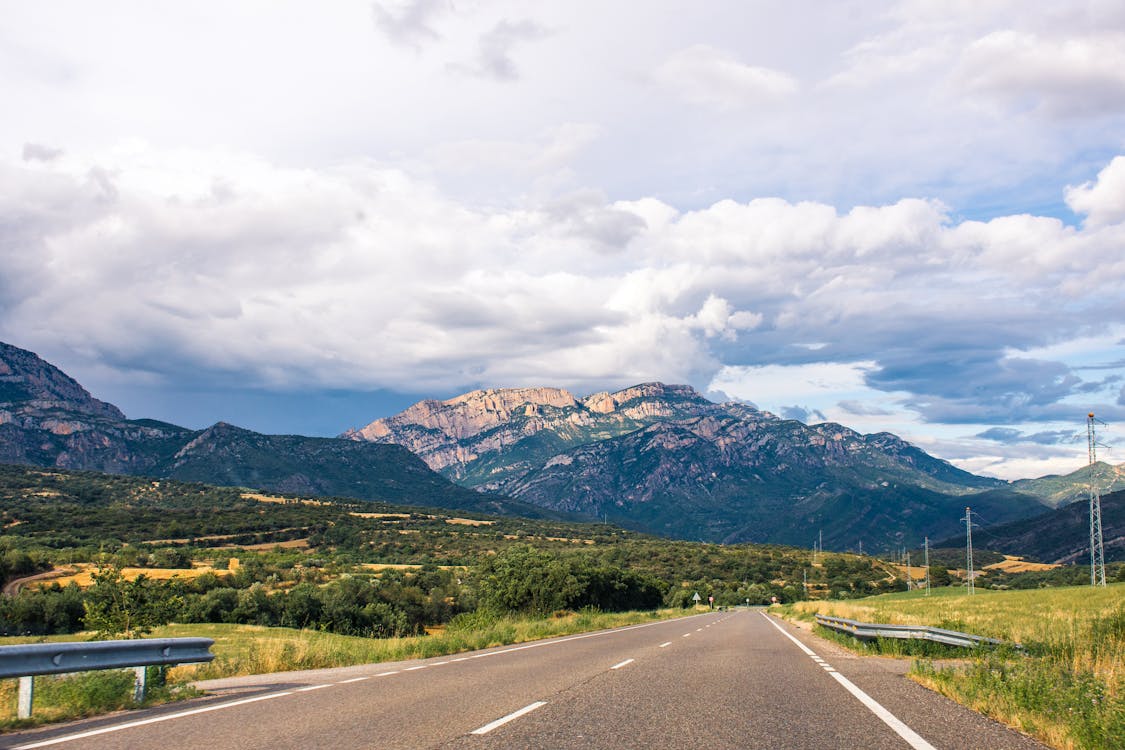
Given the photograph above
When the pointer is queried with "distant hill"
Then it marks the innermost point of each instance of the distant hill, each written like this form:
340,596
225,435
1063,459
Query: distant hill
48,419
664,459
1059,536
1059,490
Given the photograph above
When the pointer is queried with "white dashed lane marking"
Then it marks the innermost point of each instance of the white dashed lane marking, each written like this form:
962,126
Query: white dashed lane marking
505,719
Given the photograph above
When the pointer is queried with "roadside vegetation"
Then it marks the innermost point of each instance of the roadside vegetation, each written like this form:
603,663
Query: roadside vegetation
1067,685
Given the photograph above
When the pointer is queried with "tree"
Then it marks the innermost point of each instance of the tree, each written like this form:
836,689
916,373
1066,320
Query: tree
524,579
116,607
939,575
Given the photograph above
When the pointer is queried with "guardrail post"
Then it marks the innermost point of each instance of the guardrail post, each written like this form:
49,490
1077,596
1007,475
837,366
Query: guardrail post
26,696
139,685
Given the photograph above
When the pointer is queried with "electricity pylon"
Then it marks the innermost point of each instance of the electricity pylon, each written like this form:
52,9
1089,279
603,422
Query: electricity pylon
1097,549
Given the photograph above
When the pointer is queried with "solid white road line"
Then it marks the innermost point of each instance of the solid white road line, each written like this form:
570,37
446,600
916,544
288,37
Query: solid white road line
505,719
912,738
619,665
311,687
355,679
387,674
154,720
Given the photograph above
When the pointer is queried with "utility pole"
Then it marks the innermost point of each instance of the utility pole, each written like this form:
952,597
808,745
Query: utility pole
1097,550
926,547
909,573
968,521
805,581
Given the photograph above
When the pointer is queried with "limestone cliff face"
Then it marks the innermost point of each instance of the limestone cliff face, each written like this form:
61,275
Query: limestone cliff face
485,437
469,414
458,431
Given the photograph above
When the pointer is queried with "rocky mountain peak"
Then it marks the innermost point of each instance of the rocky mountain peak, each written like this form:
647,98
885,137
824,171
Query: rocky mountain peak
469,414
607,403
28,384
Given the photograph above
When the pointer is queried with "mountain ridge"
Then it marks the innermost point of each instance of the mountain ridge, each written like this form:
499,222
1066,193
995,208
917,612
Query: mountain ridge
48,419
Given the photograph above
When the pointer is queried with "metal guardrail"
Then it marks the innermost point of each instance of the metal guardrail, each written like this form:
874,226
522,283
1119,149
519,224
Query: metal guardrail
869,631
28,661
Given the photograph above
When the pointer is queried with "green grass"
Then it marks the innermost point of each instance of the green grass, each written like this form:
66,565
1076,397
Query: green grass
1067,688
67,697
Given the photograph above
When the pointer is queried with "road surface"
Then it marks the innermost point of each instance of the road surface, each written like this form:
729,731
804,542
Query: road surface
719,680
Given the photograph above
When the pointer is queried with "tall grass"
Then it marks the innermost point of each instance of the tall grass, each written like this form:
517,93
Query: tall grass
252,649
1068,685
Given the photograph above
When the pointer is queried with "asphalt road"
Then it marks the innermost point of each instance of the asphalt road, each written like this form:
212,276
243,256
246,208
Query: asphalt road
719,680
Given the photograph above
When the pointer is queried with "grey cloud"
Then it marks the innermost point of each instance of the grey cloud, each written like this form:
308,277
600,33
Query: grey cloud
522,321
970,411
803,414
585,215
1011,435
1093,386
103,182
494,50
1001,434
39,152
976,386
409,24
1121,397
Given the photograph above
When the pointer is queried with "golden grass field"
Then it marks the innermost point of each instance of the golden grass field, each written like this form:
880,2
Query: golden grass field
82,574
1013,564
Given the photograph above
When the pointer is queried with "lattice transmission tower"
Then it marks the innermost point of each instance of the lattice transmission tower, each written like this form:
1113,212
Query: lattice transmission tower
970,584
1097,549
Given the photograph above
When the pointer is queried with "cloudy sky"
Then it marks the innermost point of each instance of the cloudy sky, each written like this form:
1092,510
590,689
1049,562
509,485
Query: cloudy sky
298,217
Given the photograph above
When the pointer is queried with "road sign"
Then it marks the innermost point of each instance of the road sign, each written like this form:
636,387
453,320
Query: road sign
696,597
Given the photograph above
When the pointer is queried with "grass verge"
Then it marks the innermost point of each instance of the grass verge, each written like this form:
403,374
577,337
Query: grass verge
1067,688
67,697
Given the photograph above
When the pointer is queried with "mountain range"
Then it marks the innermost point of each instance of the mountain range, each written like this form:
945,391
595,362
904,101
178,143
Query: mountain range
664,459
654,457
